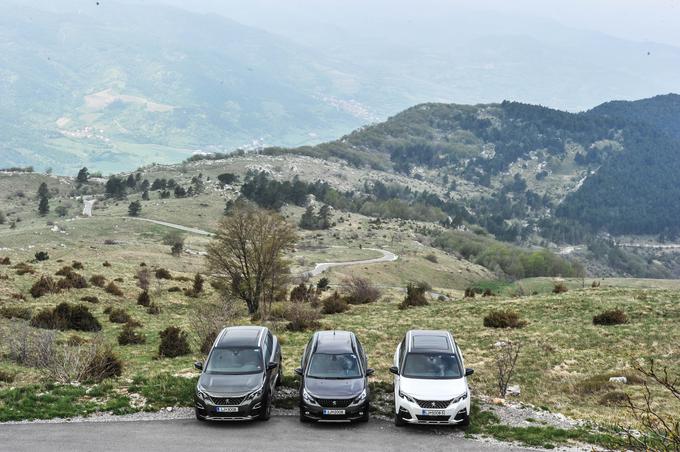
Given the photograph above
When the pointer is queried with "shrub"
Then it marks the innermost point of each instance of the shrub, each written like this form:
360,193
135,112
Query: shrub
612,317
174,343
63,271
176,249
106,264
16,312
44,286
5,261
504,319
487,293
98,280
23,268
415,296
42,256
613,398
469,293
301,317
198,284
162,273
66,316
360,291
323,284
432,258
208,341
72,281
128,336
143,299
174,289
119,316
104,364
77,265
90,299
153,309
113,289
278,311
74,340
334,304
143,279
560,287
6,377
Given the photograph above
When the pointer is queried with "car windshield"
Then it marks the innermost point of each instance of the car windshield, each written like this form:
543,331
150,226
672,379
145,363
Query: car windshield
337,366
235,360
432,366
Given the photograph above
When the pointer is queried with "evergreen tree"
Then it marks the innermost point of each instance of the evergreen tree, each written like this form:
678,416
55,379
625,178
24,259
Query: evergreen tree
145,185
180,192
43,191
83,176
43,206
135,208
115,187
324,217
131,182
145,195
308,219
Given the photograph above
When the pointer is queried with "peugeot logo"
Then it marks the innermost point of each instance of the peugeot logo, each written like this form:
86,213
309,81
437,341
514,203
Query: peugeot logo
434,404
334,403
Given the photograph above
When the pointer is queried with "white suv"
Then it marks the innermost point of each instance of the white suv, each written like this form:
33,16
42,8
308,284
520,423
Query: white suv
430,380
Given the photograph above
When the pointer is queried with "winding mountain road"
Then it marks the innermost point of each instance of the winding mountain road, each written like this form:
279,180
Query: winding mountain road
317,270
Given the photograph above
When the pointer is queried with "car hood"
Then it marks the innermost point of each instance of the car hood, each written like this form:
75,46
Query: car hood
217,384
329,389
432,389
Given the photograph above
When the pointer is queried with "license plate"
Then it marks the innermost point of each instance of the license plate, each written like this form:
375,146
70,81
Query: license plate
333,412
226,409
434,412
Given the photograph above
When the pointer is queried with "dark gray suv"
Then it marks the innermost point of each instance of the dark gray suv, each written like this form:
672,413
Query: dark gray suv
334,378
240,376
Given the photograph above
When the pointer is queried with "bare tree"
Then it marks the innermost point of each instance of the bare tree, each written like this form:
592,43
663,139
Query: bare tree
661,431
506,359
248,250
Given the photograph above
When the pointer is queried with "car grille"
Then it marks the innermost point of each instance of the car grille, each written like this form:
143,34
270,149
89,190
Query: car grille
433,418
434,404
333,403
227,401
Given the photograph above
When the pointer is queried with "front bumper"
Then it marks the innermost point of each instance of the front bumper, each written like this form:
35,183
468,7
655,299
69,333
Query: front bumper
246,411
414,414
352,412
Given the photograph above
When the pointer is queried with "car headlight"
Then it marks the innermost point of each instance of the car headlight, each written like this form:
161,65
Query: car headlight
201,394
308,398
406,396
361,398
463,396
254,395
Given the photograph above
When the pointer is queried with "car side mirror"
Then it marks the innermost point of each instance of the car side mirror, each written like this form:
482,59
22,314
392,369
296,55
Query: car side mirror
298,370
272,365
469,372
394,370
369,372
198,365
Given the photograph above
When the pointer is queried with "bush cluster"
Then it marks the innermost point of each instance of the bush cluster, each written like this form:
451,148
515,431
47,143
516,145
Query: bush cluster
119,315
504,319
301,317
73,280
16,312
44,286
90,299
113,289
143,299
334,304
66,316
612,317
415,296
98,280
162,273
174,342
360,291
129,336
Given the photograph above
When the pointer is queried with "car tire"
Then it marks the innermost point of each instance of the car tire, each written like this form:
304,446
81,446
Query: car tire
366,414
266,412
279,377
398,420
465,422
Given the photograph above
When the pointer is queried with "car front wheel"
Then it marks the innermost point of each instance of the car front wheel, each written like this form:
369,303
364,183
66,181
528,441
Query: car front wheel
398,420
266,412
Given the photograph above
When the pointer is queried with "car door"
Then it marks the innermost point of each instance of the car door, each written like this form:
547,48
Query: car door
398,363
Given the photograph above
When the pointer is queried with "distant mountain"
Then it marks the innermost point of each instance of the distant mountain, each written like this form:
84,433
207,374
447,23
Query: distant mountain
114,87
515,163
662,112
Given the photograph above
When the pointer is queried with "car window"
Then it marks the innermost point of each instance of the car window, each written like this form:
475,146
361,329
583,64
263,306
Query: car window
268,343
235,360
432,366
362,354
402,349
336,365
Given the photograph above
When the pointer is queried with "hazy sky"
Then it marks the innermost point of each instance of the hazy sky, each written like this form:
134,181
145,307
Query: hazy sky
639,20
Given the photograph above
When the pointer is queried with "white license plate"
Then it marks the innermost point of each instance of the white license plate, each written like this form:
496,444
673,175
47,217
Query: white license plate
226,409
333,412
434,412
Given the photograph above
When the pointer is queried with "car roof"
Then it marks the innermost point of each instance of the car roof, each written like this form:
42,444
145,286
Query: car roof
430,341
334,342
241,336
